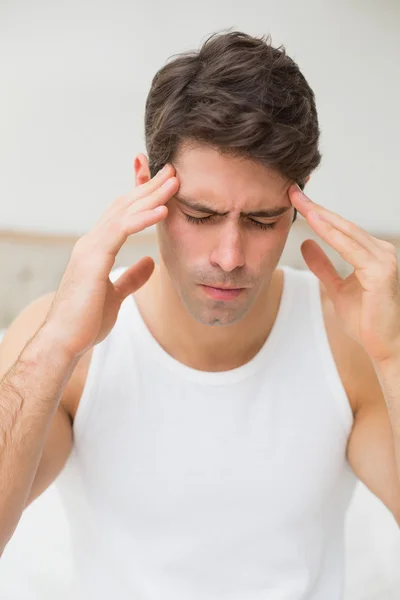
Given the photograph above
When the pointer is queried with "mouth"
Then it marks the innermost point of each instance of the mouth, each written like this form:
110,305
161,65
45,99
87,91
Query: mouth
222,293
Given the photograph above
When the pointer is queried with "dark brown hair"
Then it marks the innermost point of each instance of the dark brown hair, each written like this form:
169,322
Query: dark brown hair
240,95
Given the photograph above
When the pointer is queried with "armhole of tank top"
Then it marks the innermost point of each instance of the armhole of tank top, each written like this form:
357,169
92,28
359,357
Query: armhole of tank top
88,395
326,355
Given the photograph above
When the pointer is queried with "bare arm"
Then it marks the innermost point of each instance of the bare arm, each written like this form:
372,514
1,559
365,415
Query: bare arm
373,449
30,394
82,313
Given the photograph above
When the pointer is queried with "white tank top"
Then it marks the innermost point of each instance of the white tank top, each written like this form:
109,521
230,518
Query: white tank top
192,485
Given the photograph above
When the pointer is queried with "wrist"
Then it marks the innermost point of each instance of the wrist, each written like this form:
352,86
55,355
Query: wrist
390,364
54,340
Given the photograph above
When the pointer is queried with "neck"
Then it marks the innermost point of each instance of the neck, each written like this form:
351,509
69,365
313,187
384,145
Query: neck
216,348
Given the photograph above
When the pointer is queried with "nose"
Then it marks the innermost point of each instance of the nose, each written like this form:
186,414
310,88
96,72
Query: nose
228,253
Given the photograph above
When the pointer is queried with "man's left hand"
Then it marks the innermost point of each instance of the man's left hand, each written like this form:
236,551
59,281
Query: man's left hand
368,301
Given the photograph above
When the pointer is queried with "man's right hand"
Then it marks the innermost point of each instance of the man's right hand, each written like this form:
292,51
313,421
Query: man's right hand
86,305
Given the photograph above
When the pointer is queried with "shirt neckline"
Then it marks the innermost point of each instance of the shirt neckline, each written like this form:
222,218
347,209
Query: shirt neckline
158,353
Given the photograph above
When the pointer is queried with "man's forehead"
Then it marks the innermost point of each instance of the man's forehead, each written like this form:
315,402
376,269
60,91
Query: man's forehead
209,188
208,197
255,209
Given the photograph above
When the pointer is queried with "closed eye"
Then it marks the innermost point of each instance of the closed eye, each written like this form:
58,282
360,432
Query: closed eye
200,220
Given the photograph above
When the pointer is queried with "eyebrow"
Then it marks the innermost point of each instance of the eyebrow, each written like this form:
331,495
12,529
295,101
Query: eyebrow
269,213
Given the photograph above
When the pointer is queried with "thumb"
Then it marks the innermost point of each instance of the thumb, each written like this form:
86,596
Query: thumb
322,267
134,277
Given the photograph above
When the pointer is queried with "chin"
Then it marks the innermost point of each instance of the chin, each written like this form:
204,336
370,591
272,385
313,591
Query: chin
213,320
220,314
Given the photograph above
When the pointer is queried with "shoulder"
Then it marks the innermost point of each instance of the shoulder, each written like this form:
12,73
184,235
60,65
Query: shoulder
353,363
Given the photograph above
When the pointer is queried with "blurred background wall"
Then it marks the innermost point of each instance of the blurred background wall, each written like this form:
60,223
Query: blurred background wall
75,76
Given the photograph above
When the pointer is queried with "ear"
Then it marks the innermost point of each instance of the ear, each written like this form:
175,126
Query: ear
141,169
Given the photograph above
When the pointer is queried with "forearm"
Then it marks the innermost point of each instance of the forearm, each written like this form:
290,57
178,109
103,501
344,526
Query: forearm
30,393
389,378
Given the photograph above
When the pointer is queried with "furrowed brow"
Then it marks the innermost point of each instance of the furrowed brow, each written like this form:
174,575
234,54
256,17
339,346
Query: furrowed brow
266,213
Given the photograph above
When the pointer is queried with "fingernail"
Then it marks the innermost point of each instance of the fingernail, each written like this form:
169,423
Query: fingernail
303,196
298,189
163,170
294,188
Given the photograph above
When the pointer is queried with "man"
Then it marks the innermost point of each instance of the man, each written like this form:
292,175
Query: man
212,411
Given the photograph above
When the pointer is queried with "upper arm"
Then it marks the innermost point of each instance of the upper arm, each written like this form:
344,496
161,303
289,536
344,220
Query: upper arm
59,437
370,448
371,451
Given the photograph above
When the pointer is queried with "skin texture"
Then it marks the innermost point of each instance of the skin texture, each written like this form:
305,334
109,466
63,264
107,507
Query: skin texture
224,251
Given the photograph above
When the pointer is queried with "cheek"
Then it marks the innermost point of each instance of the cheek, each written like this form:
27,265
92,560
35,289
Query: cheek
176,241
190,239
264,248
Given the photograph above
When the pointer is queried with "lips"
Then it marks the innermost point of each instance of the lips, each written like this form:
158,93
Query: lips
222,287
217,287
222,293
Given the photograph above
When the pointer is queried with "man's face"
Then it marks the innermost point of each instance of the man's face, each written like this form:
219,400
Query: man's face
229,250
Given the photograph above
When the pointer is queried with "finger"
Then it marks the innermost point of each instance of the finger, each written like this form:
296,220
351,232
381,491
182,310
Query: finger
140,221
349,249
128,206
159,197
114,233
322,267
141,191
133,278
155,182
304,204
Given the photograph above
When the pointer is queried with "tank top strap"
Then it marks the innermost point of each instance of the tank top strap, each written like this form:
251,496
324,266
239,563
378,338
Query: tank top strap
300,286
